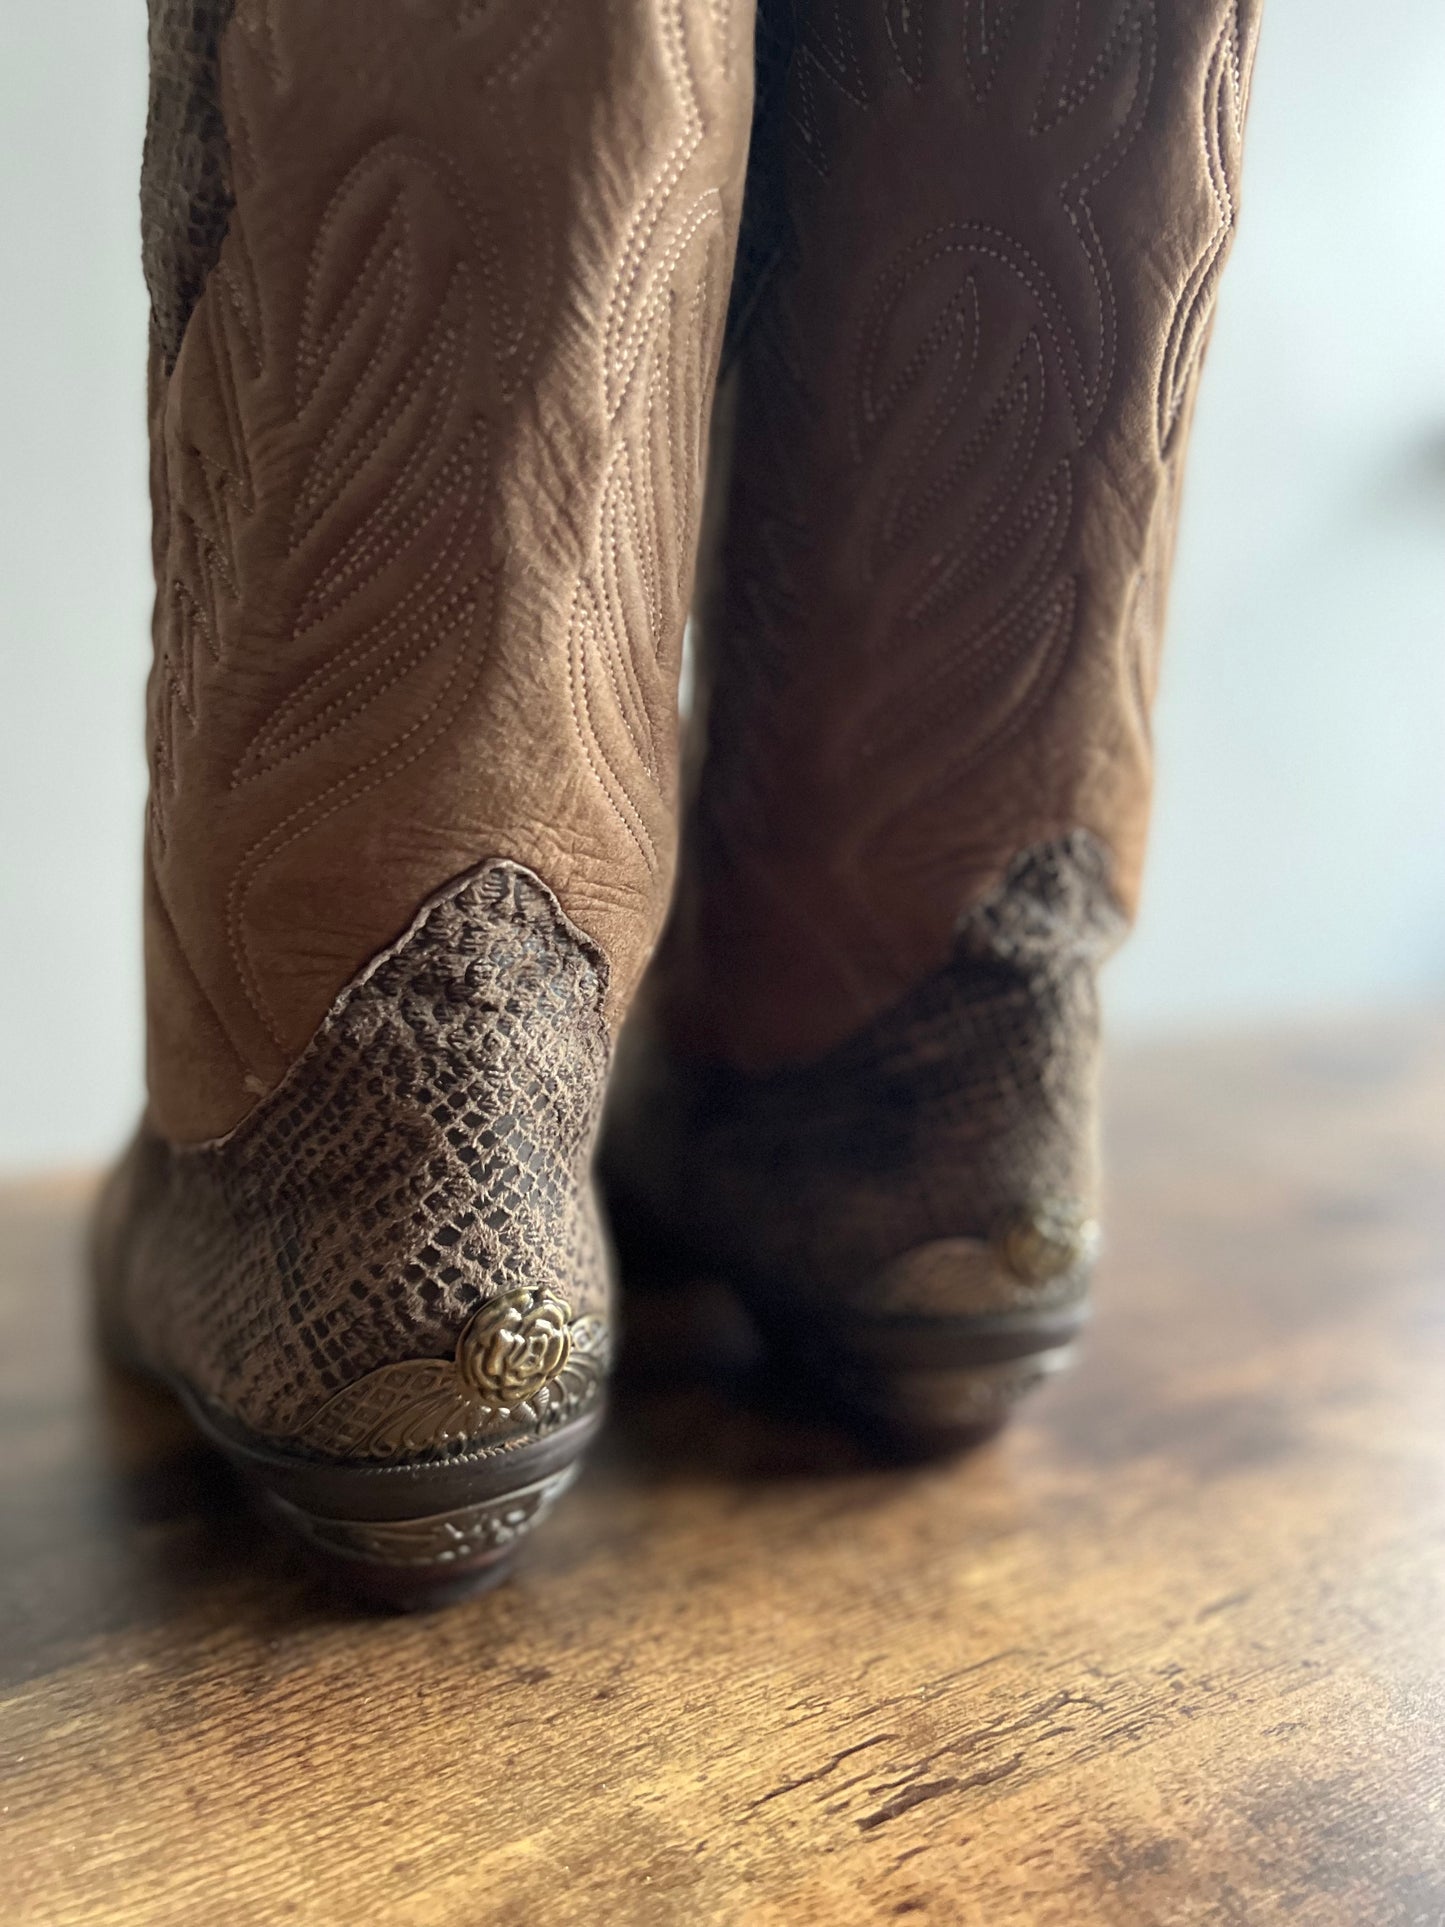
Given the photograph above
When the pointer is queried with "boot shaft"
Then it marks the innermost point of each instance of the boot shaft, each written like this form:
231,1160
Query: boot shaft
985,244
435,327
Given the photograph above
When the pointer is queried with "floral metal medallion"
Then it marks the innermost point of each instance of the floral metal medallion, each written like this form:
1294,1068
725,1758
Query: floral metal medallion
523,1366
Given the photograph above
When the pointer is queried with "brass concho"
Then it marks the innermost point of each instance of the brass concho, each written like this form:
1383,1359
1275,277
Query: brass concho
523,1366
1037,1259
1047,1240
515,1346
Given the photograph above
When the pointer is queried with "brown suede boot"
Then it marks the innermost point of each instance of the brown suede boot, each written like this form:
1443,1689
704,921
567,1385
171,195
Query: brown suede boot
437,295
980,253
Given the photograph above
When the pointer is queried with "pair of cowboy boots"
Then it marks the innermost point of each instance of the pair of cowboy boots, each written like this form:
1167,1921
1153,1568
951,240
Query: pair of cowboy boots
440,293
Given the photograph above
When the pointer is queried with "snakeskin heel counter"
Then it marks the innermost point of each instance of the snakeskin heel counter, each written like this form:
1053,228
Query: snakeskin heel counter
910,1218
385,1294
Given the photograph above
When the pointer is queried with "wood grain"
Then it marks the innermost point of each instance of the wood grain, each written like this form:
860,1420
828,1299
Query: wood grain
1169,1651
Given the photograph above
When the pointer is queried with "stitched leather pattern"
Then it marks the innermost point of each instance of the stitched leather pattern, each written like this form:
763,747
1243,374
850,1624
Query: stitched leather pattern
962,396
429,1153
426,478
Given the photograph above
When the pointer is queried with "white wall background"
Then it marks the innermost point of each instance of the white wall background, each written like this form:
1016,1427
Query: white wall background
1299,849
1298,856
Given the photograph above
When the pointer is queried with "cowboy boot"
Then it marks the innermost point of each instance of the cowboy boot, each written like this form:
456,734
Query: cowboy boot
437,293
980,251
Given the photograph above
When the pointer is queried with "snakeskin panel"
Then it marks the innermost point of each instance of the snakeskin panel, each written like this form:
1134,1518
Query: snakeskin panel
959,1120
185,182
410,1211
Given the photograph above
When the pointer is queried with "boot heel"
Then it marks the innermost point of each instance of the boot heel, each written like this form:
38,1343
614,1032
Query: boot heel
413,1536
958,1386
933,1353
415,1563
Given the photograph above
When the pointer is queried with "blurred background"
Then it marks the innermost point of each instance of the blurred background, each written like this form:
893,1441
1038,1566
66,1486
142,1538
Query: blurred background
1298,859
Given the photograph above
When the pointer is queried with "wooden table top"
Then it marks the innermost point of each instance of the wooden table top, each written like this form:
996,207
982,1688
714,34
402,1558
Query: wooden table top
1169,1651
